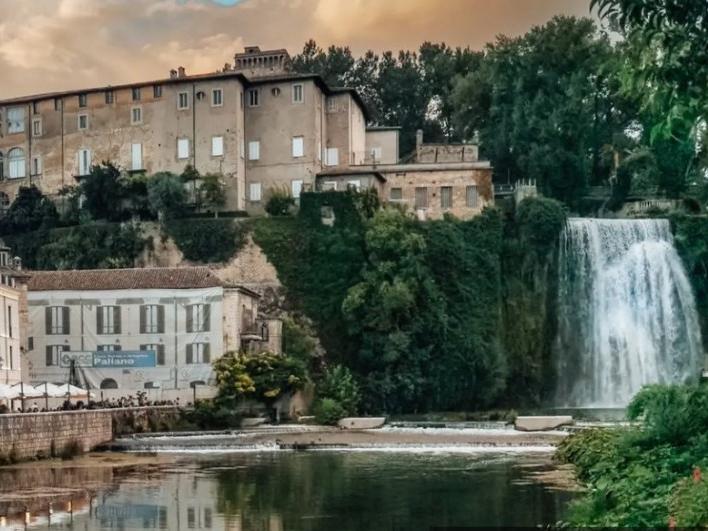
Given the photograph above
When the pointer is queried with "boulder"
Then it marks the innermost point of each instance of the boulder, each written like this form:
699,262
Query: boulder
361,423
542,423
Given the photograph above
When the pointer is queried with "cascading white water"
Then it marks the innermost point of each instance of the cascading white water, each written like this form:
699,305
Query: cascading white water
627,316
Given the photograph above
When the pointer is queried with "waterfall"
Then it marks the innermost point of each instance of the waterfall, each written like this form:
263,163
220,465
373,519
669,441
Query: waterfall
627,316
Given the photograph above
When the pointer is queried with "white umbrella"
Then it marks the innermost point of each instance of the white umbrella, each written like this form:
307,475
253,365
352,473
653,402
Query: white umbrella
73,391
6,392
51,390
21,389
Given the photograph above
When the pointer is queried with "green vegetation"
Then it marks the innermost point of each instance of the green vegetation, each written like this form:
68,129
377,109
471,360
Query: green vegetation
206,240
648,475
338,395
280,203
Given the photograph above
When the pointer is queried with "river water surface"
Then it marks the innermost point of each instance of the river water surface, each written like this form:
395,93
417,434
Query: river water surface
283,490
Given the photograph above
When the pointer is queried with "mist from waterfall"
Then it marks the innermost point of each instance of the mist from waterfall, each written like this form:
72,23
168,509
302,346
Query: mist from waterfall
626,312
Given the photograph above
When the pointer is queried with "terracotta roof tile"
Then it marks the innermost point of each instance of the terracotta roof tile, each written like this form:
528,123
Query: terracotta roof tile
109,279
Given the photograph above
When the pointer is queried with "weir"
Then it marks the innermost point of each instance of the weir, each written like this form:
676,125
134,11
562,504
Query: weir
627,315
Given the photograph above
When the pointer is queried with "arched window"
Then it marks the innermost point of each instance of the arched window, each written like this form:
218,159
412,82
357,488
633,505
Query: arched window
109,383
4,203
16,163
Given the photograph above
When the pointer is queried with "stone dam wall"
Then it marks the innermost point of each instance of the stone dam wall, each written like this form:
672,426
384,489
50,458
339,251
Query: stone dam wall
26,436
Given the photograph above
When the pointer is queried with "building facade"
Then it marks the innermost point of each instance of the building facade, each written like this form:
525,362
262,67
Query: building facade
187,317
13,316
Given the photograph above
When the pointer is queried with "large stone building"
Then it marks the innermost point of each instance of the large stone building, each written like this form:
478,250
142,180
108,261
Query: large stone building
187,317
256,123
13,316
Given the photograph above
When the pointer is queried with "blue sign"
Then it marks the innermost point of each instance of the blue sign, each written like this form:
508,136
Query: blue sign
124,359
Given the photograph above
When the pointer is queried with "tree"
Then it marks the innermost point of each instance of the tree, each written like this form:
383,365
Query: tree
103,193
212,192
333,65
166,194
30,211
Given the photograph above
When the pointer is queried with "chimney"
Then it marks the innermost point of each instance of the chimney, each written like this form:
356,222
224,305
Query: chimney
418,139
17,263
173,74
181,72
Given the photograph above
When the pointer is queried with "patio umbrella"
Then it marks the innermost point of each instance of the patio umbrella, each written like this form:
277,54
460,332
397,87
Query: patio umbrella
74,392
49,390
23,390
6,392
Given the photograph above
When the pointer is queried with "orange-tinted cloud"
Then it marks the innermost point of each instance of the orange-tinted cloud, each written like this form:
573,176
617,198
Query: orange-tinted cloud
48,45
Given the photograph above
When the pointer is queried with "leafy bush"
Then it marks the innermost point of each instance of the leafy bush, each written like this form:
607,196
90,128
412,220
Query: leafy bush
541,221
338,385
166,195
215,414
328,411
206,240
212,192
279,203
31,210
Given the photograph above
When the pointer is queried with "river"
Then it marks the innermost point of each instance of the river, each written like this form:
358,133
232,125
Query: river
406,489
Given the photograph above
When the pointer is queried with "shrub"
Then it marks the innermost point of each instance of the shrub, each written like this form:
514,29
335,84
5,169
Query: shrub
338,384
213,415
31,210
328,411
206,240
212,192
166,194
103,192
279,203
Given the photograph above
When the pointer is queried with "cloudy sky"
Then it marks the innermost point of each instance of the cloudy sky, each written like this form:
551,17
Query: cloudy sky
48,45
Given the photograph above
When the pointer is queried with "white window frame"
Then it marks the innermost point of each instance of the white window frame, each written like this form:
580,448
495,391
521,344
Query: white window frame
83,162
16,165
254,97
296,186
152,318
217,146
136,157
183,148
395,199
254,150
15,120
78,121
57,351
198,350
56,321
133,110
214,93
255,192
184,107
301,99
36,167
108,323
329,186
198,317
331,104
36,127
332,157
298,146
354,183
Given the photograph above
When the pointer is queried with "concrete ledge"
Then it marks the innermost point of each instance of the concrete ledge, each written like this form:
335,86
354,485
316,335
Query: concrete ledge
361,423
542,423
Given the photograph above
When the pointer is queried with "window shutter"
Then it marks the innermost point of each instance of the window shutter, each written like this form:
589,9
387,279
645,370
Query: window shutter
160,354
48,360
189,354
48,320
143,347
160,319
190,326
118,347
65,348
65,320
143,311
116,319
99,319
207,317
207,354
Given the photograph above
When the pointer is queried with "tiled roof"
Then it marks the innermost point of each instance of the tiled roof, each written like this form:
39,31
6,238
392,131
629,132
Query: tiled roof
110,279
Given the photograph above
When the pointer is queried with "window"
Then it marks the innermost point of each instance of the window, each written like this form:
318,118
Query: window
446,196
157,91
57,104
472,196
136,115
396,194
254,97
136,157
328,186
296,188
83,162
183,148
298,93
217,146
331,105
191,519
15,120
109,97
183,101
108,320
53,354
254,150
240,99
4,201
109,383
36,168
354,185
83,121
83,100
254,191
217,97
136,94
421,197
298,146
56,320
108,348
35,107
207,517
198,353
159,351
332,158
152,319
16,163
9,321
37,127
198,317
275,91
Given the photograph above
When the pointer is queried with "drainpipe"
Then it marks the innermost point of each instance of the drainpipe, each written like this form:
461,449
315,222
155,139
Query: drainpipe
176,349
29,123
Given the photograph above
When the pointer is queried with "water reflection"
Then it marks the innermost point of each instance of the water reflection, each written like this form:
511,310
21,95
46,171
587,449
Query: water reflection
301,491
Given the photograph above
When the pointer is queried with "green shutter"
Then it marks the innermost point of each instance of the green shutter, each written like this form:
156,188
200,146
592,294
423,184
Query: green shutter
99,319
207,317
207,354
65,320
48,359
116,319
160,354
190,324
190,355
160,319
48,320
143,312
